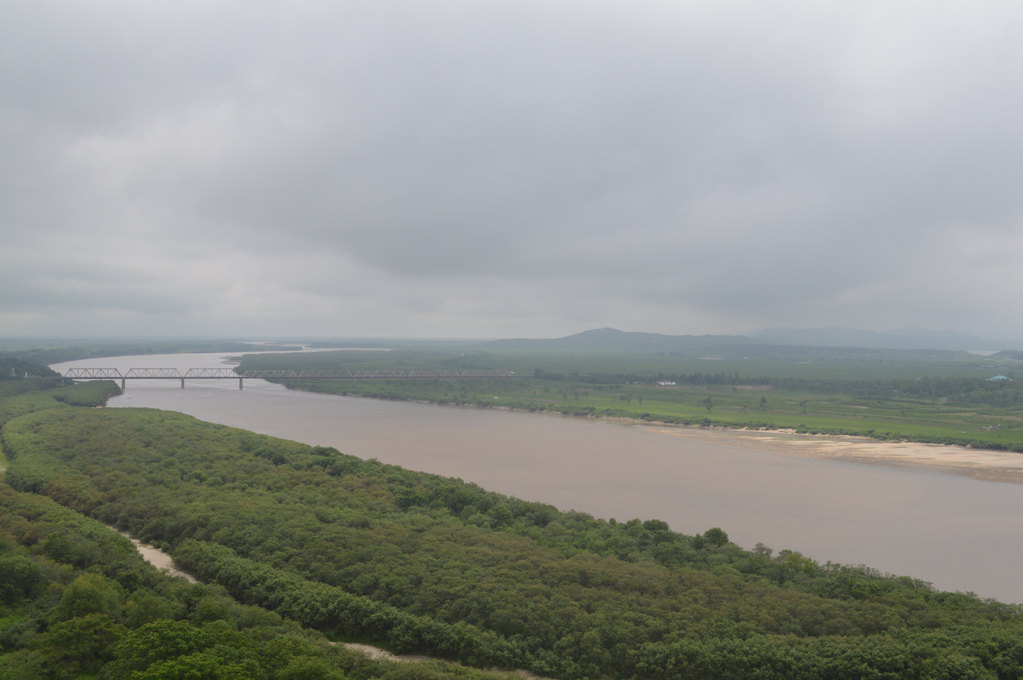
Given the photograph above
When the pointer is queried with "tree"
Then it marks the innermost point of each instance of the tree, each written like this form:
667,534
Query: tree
90,594
83,642
199,665
19,575
154,642
715,536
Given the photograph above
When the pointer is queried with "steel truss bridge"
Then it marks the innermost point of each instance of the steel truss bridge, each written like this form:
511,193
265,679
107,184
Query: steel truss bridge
269,374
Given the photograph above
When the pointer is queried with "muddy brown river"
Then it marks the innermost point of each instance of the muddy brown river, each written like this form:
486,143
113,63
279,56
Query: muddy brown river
956,532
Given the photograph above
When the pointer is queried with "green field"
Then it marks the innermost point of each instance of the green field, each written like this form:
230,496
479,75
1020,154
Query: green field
939,397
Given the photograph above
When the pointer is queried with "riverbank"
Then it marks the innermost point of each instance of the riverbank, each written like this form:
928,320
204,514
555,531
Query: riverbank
930,401
983,464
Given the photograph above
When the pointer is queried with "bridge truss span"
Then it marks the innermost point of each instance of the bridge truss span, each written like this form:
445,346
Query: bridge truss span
154,373
211,373
343,374
92,374
272,374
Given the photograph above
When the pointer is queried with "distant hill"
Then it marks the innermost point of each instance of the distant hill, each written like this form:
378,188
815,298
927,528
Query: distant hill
614,340
782,344
904,338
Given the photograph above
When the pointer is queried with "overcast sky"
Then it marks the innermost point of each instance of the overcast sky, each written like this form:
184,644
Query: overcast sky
509,168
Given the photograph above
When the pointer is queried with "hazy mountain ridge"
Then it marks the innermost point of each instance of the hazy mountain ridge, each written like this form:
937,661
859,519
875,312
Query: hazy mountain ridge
612,339
778,343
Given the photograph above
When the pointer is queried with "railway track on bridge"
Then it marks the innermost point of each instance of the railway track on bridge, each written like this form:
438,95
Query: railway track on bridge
273,374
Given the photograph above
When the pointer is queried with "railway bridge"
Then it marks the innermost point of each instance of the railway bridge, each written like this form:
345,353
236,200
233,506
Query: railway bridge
271,374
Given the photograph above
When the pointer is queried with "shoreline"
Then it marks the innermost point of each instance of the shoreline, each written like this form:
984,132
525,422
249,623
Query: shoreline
982,464
987,465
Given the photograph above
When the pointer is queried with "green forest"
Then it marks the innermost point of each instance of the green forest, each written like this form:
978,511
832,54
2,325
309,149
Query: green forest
299,546
77,601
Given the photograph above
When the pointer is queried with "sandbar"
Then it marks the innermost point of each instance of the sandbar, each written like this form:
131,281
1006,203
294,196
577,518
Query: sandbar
995,466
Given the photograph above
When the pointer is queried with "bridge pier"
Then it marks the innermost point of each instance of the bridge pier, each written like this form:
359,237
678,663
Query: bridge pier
240,379
122,384
182,383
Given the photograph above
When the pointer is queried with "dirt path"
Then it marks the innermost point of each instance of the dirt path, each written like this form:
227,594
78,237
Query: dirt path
156,557
162,560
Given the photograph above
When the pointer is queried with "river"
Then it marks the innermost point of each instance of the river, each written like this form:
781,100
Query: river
956,532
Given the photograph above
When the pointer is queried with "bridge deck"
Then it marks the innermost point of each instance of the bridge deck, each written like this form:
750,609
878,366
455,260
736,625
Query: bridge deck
232,374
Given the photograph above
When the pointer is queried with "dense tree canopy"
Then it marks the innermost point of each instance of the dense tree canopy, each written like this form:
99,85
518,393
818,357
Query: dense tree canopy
363,550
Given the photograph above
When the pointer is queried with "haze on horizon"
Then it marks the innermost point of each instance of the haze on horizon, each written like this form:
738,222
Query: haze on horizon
509,169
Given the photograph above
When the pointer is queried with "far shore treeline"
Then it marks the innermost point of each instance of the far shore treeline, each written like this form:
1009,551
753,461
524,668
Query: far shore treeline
295,542
57,351
933,396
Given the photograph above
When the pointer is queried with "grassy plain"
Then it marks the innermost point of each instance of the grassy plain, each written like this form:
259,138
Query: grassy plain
938,397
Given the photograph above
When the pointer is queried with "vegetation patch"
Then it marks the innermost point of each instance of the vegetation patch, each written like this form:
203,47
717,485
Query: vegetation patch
417,562
77,600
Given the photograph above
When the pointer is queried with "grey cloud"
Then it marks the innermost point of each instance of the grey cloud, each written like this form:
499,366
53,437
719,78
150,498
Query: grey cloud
727,164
